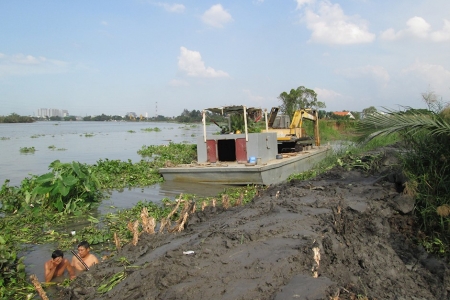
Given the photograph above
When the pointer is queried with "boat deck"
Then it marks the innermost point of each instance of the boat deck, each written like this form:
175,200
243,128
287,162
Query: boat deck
274,171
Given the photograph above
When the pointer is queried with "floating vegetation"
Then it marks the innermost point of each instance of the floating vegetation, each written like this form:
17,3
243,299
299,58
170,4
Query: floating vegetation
4,138
88,134
61,149
52,147
110,283
35,136
27,150
192,135
131,131
41,204
156,129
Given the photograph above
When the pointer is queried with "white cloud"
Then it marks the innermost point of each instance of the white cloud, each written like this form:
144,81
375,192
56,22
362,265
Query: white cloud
435,75
22,65
301,3
326,95
191,63
417,27
378,73
443,34
330,25
173,8
216,16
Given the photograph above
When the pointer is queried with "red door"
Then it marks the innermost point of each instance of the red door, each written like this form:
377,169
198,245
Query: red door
241,150
211,151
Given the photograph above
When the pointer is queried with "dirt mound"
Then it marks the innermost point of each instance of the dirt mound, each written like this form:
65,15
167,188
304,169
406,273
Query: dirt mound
343,235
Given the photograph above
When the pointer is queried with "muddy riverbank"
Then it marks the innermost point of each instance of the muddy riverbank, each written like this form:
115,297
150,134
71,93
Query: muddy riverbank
343,235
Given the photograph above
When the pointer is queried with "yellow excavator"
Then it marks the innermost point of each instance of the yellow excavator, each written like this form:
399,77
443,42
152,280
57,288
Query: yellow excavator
293,137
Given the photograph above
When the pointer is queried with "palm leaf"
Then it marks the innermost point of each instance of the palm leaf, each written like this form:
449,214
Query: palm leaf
404,123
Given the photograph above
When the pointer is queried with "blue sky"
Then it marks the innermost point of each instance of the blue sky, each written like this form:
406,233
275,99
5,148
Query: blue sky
113,57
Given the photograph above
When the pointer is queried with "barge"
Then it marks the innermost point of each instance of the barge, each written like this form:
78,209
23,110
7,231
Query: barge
244,158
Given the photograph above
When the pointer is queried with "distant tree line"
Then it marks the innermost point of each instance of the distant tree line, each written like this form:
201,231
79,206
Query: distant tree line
15,118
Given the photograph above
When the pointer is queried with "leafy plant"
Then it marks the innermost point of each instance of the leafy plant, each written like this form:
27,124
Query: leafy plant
27,150
67,188
110,283
425,136
175,153
13,273
156,129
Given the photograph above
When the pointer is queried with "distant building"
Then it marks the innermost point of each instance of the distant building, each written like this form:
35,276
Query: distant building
52,112
344,114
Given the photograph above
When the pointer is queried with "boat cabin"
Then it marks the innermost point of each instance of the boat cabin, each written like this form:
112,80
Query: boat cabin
230,146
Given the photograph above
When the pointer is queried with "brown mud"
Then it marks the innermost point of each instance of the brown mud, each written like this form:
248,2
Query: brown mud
343,235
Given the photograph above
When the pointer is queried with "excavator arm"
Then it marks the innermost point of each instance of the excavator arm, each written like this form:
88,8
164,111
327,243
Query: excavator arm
296,127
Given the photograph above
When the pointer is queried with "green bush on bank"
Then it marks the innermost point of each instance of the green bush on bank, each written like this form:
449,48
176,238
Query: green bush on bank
425,136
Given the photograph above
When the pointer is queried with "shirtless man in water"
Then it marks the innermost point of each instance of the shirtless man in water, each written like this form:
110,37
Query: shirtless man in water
57,265
88,258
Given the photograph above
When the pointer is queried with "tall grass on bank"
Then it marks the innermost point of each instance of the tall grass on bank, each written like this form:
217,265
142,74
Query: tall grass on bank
425,139
349,155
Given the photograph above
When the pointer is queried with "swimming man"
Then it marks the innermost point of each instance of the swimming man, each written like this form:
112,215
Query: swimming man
57,265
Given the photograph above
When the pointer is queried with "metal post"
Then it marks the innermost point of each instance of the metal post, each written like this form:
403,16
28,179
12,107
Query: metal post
245,122
267,121
204,125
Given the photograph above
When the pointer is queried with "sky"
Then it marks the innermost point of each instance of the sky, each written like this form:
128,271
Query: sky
159,58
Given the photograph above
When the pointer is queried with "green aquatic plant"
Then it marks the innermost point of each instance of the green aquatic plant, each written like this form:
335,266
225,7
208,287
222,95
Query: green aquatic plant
156,129
66,188
109,283
175,153
88,134
131,131
27,150
13,279
121,174
52,147
4,138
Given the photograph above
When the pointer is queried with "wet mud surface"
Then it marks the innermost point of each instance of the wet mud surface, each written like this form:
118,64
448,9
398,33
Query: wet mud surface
342,235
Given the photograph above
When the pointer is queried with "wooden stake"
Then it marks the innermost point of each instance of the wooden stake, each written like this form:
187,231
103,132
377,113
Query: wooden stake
38,287
117,241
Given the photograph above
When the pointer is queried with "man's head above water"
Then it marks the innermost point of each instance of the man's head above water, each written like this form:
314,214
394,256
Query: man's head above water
83,248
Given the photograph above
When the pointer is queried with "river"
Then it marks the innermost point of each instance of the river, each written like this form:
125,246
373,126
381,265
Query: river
88,142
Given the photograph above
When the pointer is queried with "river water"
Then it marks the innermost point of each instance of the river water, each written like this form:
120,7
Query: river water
88,142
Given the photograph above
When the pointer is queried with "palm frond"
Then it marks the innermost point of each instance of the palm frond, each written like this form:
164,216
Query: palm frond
405,124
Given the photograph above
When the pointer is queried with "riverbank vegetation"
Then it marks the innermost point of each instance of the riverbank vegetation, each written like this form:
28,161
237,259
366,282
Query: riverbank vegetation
425,136
15,118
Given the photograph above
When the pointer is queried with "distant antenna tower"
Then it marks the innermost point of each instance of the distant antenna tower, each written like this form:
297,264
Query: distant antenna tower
156,110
